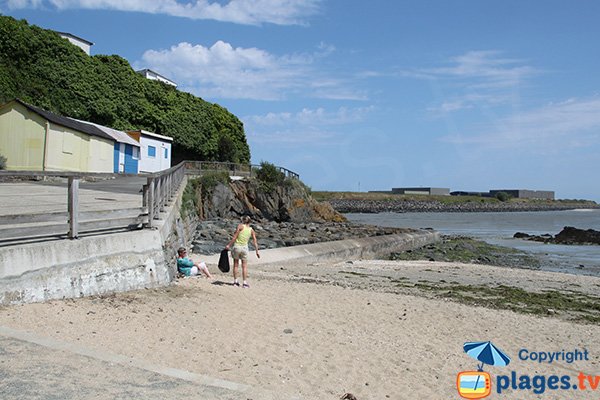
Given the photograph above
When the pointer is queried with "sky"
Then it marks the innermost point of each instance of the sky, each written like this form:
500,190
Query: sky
357,95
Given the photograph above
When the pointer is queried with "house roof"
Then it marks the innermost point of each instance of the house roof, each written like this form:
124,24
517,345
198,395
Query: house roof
63,34
65,121
154,135
117,135
147,70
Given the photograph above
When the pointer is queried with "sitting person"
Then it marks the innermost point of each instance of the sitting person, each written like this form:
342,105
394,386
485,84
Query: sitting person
187,267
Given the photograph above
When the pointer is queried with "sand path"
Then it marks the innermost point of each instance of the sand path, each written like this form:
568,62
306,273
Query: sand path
319,331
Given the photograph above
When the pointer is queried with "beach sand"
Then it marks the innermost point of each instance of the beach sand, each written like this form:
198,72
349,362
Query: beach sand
319,331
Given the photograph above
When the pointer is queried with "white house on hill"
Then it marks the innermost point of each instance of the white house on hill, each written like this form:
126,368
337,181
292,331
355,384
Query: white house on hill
155,76
83,44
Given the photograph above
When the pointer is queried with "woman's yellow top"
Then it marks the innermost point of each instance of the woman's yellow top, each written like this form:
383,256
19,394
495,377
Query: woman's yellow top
244,236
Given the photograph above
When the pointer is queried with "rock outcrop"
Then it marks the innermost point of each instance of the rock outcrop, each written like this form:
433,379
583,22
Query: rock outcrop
289,202
569,235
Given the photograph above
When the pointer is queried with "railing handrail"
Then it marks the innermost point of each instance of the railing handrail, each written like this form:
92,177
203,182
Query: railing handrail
78,174
158,191
239,166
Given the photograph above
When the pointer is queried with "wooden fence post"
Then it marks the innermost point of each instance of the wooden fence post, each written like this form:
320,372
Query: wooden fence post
73,207
150,201
145,195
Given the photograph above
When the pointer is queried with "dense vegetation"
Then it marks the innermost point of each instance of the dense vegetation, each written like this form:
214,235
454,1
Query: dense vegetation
43,69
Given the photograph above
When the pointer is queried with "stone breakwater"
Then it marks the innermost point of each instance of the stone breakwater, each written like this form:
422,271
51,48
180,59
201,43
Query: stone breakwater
212,235
378,206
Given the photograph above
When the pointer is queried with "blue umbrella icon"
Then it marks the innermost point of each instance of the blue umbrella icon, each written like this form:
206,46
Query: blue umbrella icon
487,353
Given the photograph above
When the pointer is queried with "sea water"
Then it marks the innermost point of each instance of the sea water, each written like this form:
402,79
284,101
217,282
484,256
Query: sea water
498,228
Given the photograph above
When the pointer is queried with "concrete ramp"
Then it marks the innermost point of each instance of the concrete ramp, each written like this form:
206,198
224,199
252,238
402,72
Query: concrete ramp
349,249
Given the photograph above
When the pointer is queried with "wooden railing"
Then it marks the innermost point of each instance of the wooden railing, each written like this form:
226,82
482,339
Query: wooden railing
160,189
197,167
157,193
73,222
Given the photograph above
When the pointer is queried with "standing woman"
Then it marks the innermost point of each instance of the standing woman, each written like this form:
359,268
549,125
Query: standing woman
240,249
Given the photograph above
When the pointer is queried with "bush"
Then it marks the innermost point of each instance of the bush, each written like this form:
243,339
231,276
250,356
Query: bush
210,180
189,201
2,162
269,176
503,196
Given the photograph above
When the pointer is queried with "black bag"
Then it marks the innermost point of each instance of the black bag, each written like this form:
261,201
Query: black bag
224,261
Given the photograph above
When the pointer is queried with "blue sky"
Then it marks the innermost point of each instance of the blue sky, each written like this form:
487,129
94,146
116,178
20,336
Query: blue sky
354,95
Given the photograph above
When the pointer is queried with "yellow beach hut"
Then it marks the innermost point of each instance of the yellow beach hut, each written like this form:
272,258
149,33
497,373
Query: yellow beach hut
33,139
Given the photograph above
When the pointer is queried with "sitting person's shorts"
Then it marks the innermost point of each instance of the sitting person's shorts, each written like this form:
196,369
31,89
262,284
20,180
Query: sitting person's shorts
193,271
239,252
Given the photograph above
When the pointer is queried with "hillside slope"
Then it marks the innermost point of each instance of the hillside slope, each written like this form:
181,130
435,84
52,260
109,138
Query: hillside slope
43,69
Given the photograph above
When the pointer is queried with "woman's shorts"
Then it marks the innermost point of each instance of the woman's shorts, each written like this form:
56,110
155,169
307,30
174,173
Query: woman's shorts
239,252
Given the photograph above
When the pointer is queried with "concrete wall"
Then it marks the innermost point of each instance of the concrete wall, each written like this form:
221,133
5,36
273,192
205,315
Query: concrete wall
93,265
87,266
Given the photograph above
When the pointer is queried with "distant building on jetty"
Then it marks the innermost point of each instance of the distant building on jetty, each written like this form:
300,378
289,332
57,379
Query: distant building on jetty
525,194
422,190
431,191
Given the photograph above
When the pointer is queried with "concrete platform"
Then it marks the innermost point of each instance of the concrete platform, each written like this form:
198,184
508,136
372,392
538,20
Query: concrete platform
28,198
36,367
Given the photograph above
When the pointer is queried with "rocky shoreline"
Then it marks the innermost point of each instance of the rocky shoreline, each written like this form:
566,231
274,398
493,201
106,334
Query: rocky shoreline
569,236
213,234
377,206
453,248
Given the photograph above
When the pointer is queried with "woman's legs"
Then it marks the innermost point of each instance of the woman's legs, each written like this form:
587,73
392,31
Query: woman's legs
245,272
235,267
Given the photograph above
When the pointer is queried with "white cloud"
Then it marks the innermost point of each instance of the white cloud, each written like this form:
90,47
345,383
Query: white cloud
294,137
318,116
305,126
249,12
224,71
475,79
556,127
17,4
487,66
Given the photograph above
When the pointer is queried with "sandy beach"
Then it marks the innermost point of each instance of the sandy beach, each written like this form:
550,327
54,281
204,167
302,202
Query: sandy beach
375,329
